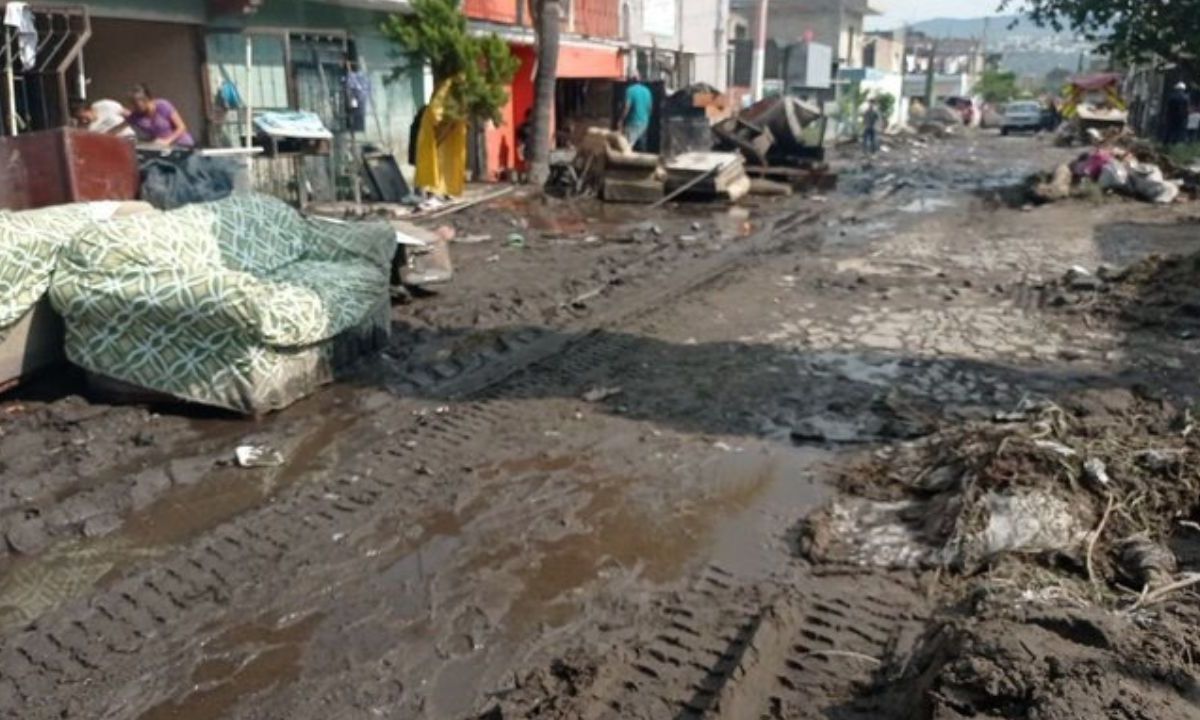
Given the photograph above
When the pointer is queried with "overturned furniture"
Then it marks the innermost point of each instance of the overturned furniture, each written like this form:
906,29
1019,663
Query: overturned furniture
625,175
708,176
782,138
30,242
240,304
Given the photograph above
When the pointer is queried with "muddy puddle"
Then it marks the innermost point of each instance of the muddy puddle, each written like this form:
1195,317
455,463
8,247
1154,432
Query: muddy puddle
242,661
580,220
581,547
209,489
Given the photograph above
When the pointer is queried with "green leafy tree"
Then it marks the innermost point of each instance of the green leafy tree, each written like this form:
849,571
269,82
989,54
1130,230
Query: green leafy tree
482,66
998,86
1130,31
886,102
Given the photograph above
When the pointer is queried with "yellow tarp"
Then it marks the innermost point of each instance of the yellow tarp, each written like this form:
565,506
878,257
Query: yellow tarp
441,148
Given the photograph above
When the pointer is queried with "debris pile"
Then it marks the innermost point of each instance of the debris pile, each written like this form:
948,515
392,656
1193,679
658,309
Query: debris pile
1159,291
1095,488
622,174
1121,165
706,175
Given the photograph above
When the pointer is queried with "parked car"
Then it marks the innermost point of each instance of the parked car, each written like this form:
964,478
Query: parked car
964,106
1022,116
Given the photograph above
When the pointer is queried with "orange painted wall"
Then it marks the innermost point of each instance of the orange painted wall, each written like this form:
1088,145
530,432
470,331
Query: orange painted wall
501,11
598,18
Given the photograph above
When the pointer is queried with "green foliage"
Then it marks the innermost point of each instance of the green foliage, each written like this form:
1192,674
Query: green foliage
997,86
1185,154
482,67
886,103
1131,31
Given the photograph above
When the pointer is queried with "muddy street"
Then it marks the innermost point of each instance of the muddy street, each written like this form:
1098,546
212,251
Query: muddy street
576,484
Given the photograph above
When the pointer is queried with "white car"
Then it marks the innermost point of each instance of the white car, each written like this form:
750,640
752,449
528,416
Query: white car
1022,116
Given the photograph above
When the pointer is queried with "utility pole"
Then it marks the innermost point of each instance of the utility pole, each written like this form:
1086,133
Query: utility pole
759,67
930,76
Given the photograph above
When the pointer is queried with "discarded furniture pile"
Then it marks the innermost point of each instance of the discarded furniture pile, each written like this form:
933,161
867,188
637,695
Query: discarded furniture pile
782,139
623,175
771,148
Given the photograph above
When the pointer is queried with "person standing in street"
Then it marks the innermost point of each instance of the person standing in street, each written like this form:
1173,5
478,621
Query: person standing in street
870,134
639,106
1179,105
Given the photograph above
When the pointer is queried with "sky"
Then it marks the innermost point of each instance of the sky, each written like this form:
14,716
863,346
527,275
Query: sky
897,12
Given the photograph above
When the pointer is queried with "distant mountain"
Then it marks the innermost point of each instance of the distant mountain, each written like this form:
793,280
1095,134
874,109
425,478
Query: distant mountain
1026,49
998,27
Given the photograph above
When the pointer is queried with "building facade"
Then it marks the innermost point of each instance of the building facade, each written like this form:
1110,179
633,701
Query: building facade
276,55
590,51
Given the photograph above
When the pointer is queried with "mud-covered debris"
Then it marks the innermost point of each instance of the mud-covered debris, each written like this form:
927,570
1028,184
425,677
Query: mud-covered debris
1145,562
975,493
257,456
601,394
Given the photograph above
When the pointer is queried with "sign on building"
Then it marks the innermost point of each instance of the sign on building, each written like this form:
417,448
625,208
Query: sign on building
658,17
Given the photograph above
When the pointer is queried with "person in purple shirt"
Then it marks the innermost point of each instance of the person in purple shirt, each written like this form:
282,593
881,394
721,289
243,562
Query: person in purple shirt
156,120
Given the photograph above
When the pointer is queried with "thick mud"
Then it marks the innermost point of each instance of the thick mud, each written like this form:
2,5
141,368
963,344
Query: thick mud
573,485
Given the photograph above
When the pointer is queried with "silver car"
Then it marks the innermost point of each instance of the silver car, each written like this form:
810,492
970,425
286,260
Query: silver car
1022,116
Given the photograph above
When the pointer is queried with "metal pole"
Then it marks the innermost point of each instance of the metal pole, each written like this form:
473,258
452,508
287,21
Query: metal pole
759,67
82,79
10,82
249,91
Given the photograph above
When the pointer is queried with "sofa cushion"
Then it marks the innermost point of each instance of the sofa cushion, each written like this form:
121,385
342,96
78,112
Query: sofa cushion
312,301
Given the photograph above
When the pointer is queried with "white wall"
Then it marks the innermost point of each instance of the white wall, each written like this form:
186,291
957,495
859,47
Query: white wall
705,36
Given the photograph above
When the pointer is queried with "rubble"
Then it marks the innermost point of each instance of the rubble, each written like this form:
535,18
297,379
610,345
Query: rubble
974,494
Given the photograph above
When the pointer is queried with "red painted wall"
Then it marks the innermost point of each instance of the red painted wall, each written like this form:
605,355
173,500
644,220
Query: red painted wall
502,140
598,18
501,11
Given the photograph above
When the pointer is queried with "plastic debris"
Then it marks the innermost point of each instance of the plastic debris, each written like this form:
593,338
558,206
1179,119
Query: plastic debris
257,456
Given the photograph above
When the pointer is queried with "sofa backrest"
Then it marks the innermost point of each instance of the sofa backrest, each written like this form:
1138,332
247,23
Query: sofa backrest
29,247
257,234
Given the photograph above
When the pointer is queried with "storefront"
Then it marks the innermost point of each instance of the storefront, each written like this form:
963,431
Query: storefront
577,61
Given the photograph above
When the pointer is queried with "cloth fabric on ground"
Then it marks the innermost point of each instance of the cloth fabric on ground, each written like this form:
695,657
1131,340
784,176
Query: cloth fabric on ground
240,303
441,148
19,16
172,181
300,124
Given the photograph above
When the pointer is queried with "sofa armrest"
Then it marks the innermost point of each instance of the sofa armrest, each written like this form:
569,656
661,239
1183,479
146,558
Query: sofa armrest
339,241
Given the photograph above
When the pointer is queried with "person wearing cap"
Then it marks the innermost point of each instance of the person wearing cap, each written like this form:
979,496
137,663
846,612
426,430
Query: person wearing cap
1179,105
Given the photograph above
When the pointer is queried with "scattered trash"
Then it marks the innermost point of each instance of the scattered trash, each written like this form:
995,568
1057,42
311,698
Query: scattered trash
601,394
516,240
257,456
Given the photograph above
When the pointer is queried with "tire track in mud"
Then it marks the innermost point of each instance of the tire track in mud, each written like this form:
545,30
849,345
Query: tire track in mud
88,658
725,650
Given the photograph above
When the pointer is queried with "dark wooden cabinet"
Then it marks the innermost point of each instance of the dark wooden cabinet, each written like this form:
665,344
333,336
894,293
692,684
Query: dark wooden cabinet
64,166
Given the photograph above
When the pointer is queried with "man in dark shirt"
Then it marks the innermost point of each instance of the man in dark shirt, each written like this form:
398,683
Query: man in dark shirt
1178,107
870,133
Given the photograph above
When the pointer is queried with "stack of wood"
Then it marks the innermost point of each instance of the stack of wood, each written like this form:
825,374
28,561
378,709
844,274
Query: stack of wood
622,174
708,176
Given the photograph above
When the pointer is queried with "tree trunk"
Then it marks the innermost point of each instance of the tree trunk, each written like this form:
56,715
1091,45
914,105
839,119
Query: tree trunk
547,17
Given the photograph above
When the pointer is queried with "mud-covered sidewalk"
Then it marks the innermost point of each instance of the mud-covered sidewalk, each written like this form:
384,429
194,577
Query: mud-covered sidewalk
582,481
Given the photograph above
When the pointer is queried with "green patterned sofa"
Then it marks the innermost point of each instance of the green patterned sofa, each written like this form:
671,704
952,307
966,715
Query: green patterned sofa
30,241
240,303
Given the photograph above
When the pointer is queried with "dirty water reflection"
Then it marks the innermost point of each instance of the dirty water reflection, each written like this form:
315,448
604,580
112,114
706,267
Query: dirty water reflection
199,501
